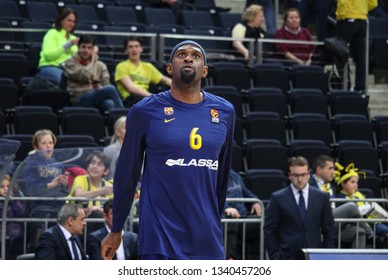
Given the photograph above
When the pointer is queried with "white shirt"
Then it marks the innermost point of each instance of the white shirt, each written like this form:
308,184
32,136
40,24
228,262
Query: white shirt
305,192
68,235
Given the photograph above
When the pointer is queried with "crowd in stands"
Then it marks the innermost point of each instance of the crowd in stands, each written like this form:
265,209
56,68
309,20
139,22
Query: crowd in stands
76,63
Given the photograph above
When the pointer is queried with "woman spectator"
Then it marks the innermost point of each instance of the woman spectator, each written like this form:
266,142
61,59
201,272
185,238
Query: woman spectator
113,150
14,230
292,30
249,27
58,45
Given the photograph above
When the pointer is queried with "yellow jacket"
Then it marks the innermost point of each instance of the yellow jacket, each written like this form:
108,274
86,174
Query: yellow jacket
355,9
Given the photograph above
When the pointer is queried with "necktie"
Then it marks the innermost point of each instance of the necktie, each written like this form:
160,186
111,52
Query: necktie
74,248
302,205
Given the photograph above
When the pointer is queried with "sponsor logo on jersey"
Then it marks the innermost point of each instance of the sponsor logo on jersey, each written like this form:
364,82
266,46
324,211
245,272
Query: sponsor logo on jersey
168,111
168,120
209,163
215,116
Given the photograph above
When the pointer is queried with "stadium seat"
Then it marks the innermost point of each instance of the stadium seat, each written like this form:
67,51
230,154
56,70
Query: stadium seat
54,99
228,21
303,100
9,11
266,125
309,149
312,76
263,182
352,127
29,119
9,96
305,126
231,74
75,118
41,12
266,154
271,75
75,141
261,99
120,16
361,153
348,102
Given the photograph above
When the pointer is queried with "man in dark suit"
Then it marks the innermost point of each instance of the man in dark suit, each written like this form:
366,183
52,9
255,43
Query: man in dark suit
128,247
298,216
62,241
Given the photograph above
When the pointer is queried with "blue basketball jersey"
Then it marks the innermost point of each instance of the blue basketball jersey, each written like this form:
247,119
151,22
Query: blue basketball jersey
187,157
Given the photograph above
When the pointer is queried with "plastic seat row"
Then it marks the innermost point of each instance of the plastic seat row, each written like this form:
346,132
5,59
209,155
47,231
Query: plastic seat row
270,154
70,120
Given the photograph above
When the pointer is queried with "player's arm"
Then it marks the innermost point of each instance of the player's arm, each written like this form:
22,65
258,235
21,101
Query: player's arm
126,177
225,161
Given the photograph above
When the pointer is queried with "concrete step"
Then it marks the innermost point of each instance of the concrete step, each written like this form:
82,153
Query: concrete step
378,99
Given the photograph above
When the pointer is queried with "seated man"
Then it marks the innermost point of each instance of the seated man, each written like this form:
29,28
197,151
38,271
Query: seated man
356,234
236,210
128,247
88,78
133,76
62,241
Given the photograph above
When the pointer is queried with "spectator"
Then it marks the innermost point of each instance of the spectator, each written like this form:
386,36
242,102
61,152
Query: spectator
269,14
133,76
353,233
237,210
298,216
113,150
320,10
351,27
88,78
347,181
44,177
58,45
62,241
93,185
249,27
298,53
128,247
14,230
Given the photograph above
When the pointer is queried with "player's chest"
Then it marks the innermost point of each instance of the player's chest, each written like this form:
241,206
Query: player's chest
180,129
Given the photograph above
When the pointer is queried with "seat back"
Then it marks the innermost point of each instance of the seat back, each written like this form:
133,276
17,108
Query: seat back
264,182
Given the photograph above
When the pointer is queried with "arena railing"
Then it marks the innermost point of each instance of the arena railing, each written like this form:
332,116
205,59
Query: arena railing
357,221
131,221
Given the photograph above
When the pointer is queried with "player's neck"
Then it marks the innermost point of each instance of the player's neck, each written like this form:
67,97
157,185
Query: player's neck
187,95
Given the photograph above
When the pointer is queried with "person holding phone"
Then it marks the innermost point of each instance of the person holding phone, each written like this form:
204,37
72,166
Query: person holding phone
88,80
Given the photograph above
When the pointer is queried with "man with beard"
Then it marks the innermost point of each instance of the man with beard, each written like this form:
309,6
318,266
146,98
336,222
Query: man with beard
88,81
186,137
134,76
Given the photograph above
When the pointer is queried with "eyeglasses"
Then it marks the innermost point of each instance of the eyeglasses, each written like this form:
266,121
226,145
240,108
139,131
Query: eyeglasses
297,176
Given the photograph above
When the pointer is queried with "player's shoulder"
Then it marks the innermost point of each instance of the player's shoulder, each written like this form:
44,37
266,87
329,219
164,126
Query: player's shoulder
148,103
218,100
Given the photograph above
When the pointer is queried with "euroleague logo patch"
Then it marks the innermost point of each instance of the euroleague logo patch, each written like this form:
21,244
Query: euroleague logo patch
215,116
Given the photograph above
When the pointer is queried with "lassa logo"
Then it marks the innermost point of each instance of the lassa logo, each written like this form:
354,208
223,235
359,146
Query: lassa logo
211,164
